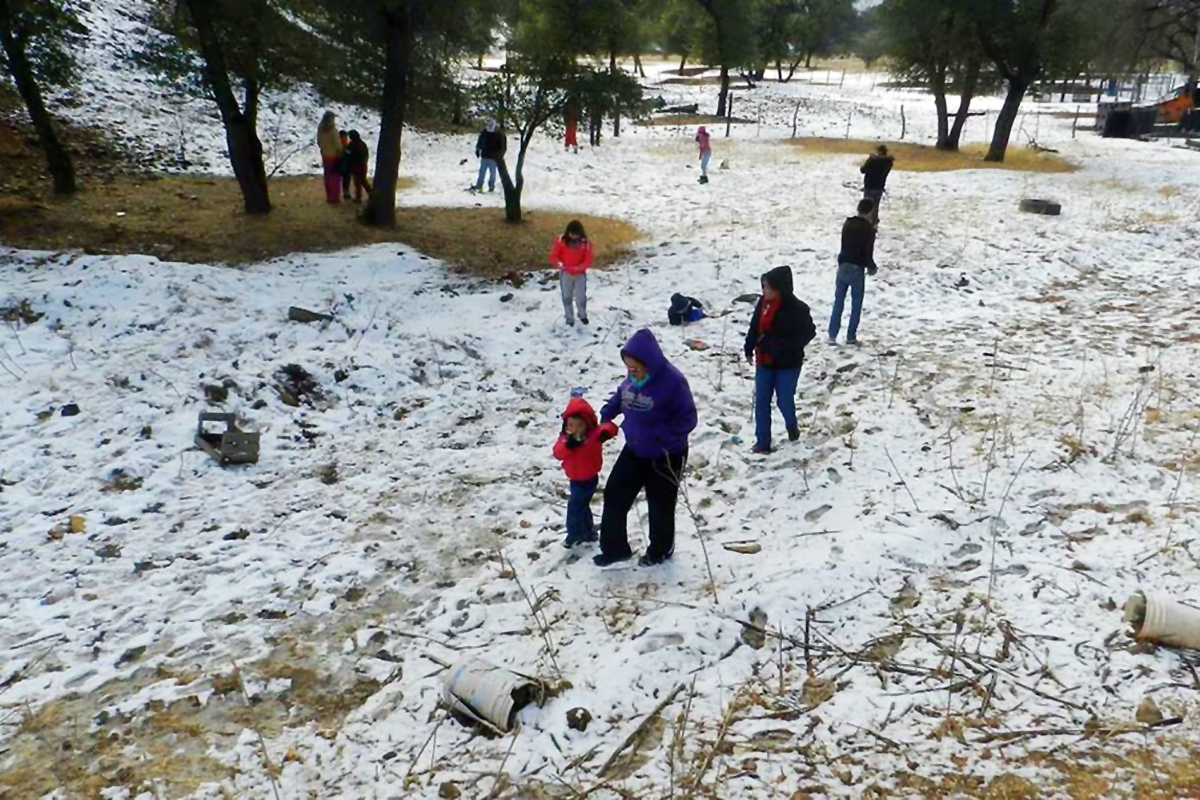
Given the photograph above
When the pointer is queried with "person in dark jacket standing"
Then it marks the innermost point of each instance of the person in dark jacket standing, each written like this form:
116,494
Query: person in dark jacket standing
357,156
489,149
659,412
780,329
855,261
875,174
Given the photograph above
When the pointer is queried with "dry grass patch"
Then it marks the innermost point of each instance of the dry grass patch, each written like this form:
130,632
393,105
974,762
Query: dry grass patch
924,158
198,219
478,241
663,120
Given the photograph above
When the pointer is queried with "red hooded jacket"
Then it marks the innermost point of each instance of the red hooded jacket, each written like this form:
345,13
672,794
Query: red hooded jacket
583,463
571,260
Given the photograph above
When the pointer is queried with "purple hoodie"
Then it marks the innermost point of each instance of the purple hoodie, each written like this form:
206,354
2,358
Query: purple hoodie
660,414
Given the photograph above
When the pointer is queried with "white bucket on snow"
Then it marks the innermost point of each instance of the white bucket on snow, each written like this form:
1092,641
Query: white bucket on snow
484,691
1157,617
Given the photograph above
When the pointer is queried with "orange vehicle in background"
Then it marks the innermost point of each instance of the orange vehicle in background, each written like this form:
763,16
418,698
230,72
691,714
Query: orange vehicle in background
1172,111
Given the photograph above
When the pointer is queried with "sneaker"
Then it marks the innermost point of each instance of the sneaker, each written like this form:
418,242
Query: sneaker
571,323
591,538
648,560
833,340
852,342
583,319
603,560
491,188
793,434
760,449
571,541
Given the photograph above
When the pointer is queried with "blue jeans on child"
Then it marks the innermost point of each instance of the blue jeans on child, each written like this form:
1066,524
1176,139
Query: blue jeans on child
781,383
489,166
704,158
581,526
853,279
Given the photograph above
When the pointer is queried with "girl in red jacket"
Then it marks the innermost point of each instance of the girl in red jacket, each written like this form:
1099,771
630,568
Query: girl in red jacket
579,448
572,255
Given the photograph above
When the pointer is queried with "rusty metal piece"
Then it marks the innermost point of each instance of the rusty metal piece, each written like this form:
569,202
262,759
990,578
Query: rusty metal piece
230,446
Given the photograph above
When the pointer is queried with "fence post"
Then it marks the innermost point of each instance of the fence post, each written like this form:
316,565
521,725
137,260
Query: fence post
849,117
729,113
1075,122
903,123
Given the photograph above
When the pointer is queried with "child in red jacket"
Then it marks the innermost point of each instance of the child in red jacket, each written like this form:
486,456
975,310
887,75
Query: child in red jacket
572,255
579,448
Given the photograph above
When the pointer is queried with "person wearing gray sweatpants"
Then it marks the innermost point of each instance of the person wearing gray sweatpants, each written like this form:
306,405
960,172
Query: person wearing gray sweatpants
572,255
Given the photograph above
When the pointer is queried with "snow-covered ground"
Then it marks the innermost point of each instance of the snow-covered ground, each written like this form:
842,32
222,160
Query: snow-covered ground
943,555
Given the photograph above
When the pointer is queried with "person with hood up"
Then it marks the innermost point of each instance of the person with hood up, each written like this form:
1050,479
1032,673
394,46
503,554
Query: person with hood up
855,262
571,255
659,412
489,149
875,172
357,157
330,145
703,141
780,328
579,448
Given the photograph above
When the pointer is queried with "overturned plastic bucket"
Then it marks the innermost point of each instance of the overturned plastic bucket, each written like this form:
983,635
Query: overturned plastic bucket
487,693
1156,617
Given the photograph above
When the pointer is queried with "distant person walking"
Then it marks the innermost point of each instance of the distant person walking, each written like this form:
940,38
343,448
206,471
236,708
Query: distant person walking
357,157
330,145
780,329
875,174
571,255
489,149
571,138
660,413
705,145
855,261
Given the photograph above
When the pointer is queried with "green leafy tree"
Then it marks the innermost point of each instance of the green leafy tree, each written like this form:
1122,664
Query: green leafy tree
40,39
407,51
1024,40
727,38
1171,30
826,25
937,43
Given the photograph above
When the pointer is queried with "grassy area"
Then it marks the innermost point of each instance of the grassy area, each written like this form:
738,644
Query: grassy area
198,219
664,120
924,158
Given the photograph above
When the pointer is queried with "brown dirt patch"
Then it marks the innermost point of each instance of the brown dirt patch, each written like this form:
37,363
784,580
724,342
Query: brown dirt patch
924,158
198,219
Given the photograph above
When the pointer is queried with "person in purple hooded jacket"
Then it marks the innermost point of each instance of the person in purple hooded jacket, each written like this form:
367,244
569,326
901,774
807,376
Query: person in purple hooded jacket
659,412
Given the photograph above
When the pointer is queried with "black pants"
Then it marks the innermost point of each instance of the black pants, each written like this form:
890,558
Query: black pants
660,478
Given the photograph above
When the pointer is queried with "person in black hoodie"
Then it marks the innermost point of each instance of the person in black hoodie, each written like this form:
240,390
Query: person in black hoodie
875,174
357,155
489,149
855,261
780,329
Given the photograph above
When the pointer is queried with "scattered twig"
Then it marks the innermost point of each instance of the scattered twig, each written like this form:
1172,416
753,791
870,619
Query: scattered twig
903,482
499,784
261,742
645,723
428,739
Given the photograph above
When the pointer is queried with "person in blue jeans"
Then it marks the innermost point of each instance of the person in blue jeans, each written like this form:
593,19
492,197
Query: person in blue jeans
490,147
780,329
855,262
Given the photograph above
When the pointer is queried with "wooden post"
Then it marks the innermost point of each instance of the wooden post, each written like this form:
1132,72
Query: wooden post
843,80
758,114
728,114
1075,123
903,123
795,116
849,117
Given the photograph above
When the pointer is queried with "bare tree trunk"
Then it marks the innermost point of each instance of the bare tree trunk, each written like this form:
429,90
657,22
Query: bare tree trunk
970,80
808,59
1017,87
381,209
682,62
779,71
241,134
58,161
612,71
512,189
723,97
938,86
792,70
637,64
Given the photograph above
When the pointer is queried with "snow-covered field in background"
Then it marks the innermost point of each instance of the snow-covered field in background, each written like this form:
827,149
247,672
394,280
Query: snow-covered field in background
985,477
